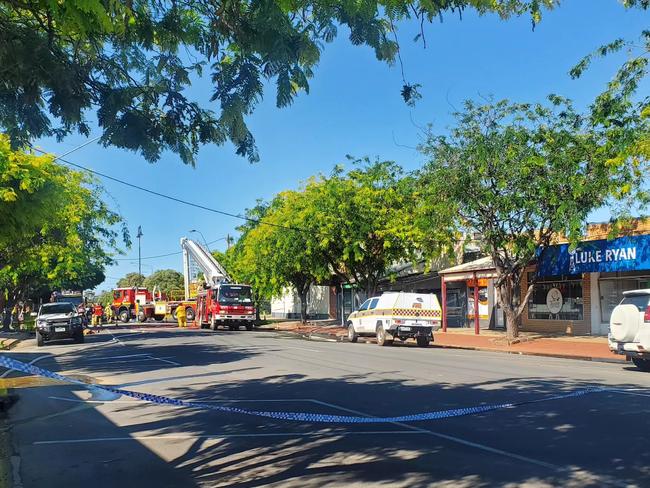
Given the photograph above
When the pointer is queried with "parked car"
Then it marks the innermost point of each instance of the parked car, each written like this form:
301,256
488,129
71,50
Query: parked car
396,315
629,328
58,321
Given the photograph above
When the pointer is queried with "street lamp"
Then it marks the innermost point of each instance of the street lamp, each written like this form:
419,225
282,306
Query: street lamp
140,234
203,237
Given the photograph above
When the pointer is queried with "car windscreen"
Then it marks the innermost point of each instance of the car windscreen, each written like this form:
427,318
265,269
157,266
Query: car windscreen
52,308
74,300
230,295
639,301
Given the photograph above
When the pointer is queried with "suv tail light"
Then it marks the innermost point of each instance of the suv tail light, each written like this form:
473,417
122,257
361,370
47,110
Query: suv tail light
646,315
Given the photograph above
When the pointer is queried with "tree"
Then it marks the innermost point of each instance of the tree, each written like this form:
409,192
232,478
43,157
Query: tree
518,175
57,233
617,109
276,256
130,62
167,280
131,280
360,221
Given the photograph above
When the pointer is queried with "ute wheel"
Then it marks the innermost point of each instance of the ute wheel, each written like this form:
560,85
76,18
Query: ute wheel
79,337
352,334
423,341
642,364
382,337
124,315
174,315
159,318
39,339
189,314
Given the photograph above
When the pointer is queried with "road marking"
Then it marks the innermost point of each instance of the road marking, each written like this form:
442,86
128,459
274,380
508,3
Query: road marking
451,438
628,392
223,436
166,361
118,357
264,400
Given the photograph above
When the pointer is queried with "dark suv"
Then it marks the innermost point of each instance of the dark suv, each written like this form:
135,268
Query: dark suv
58,321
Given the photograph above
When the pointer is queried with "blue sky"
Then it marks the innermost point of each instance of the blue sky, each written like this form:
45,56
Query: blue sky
354,107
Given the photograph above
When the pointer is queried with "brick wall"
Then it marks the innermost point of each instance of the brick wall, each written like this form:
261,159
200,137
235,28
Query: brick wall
581,327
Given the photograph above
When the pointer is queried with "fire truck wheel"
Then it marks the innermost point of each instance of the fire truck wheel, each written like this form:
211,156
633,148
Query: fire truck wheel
142,317
189,313
233,327
174,315
249,326
213,323
124,315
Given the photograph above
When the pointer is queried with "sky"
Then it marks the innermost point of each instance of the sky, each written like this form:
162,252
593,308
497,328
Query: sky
354,107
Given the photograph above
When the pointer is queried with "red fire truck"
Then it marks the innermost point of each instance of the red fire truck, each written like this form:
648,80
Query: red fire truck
227,305
219,302
140,303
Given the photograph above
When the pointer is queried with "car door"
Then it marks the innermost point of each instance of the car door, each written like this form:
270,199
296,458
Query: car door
359,315
370,318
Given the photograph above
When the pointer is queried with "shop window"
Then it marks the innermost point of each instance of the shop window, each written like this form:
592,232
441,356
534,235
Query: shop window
611,292
556,300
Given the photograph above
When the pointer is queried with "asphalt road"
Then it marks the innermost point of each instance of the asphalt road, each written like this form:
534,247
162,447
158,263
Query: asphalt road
66,436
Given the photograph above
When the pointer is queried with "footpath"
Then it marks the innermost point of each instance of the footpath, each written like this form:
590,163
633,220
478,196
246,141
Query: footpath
590,348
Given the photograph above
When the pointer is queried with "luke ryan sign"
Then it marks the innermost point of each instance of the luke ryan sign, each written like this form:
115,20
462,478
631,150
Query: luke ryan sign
631,253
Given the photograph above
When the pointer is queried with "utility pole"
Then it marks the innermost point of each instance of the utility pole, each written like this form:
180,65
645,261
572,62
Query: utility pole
140,234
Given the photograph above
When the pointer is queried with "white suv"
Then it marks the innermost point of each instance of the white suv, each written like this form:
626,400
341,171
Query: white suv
629,328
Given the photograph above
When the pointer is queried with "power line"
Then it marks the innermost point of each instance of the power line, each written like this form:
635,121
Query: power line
174,199
162,255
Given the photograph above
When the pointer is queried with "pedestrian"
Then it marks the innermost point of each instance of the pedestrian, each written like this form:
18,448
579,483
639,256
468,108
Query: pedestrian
108,312
181,316
97,314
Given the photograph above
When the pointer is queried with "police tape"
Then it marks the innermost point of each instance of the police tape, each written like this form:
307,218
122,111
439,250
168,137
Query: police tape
14,364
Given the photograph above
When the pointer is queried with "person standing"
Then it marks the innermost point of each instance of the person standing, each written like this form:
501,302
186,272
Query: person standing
98,311
181,316
108,312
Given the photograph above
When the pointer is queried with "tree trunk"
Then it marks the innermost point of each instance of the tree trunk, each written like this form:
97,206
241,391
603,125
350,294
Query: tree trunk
303,303
508,303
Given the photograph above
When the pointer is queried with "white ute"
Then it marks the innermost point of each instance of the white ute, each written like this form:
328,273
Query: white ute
396,315
629,328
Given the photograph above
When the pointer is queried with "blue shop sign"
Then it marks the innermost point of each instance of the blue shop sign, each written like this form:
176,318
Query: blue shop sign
630,253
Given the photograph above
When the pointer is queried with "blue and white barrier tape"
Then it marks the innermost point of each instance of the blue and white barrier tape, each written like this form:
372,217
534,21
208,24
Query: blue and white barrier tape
10,363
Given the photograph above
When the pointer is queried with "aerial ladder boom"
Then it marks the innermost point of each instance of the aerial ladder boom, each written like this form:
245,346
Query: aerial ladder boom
212,270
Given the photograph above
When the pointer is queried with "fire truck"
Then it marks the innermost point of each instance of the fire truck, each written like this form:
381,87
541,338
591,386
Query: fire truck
218,302
138,303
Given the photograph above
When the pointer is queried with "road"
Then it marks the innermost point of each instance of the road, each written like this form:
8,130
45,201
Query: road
64,435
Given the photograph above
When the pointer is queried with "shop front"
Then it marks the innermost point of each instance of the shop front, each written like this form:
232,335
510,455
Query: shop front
468,296
577,289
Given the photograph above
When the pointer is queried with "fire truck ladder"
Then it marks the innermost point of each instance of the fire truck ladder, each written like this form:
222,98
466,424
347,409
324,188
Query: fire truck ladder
213,272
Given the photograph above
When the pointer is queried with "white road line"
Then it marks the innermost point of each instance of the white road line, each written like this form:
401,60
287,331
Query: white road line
628,392
265,400
222,436
117,357
166,361
451,438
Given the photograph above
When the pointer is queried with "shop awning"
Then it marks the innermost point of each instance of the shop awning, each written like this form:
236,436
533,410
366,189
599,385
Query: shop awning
480,268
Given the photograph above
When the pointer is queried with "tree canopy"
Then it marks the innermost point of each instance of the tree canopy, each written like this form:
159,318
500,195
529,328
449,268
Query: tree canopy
129,63
57,233
167,280
519,175
131,280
